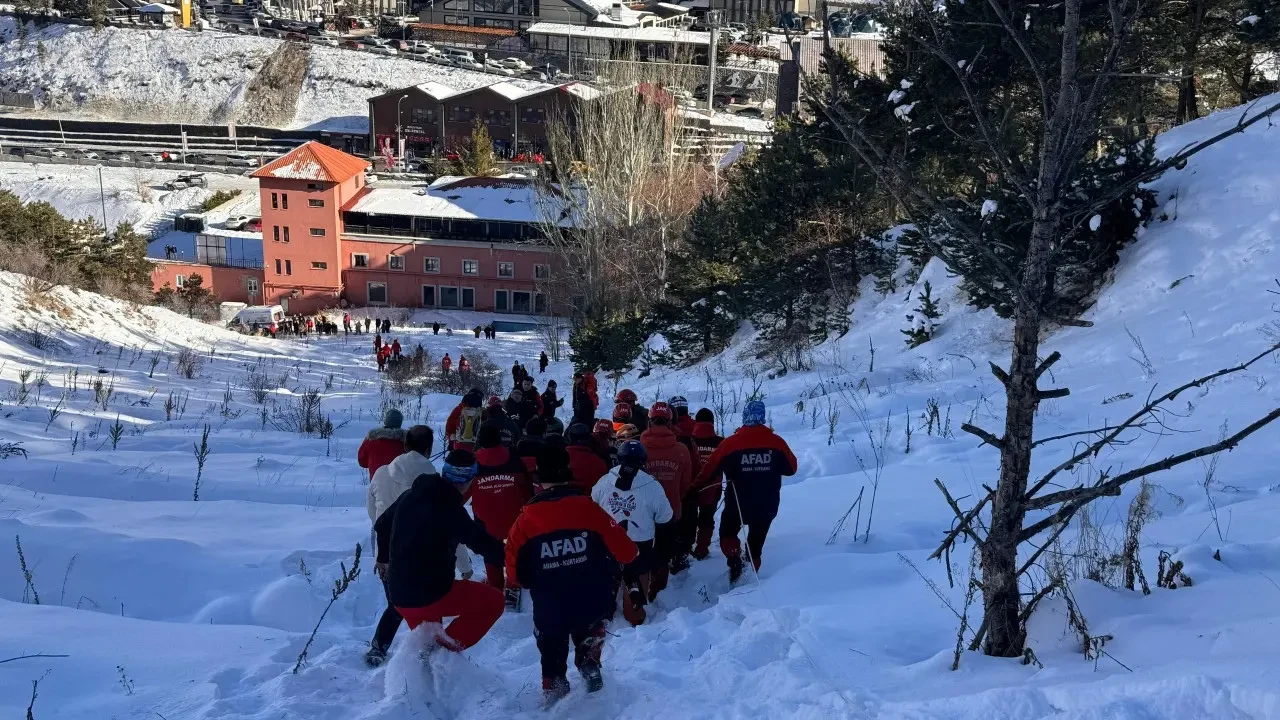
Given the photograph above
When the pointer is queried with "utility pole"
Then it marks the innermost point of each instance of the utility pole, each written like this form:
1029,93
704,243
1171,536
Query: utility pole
102,196
713,22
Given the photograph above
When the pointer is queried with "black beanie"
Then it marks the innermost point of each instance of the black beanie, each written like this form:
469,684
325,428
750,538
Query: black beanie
705,415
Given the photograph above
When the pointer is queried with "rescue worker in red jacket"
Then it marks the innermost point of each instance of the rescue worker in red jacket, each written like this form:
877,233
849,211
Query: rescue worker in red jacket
621,416
565,550
699,523
501,487
639,415
754,460
669,462
470,406
585,460
382,445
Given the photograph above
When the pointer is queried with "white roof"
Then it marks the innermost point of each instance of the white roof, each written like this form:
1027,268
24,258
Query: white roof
582,90
463,198
302,168
438,91
512,91
158,8
640,34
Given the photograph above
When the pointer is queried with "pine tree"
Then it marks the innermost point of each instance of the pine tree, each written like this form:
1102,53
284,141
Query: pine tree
924,320
477,157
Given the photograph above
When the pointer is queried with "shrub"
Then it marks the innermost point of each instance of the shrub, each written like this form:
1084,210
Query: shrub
217,199
189,363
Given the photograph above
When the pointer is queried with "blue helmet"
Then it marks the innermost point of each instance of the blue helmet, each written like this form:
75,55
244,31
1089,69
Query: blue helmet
632,454
753,413
459,467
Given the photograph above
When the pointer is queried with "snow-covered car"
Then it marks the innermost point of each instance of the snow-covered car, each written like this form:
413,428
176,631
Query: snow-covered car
176,184
89,155
494,66
152,157
515,64
58,153
327,41
237,222
466,64
242,160
382,50
123,157
378,42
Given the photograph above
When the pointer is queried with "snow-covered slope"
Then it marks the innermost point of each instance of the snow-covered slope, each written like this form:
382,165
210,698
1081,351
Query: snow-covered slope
125,74
167,607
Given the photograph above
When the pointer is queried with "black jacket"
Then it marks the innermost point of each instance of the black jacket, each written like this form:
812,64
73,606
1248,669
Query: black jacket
584,411
550,403
509,429
419,535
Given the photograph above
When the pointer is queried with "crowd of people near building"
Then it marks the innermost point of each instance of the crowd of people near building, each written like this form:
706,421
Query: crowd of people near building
590,518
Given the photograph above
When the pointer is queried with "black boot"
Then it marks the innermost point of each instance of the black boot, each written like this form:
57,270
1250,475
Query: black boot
679,563
376,656
513,597
553,689
592,675
735,569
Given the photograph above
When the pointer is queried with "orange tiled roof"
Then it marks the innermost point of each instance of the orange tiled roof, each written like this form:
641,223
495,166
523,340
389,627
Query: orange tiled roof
313,161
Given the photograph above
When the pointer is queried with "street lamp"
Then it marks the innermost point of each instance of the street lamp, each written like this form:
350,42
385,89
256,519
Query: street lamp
399,137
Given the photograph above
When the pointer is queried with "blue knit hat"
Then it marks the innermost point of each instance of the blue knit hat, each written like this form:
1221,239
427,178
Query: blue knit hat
459,467
753,413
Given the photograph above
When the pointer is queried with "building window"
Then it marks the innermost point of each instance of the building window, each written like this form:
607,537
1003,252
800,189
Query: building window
448,297
286,233
470,267
422,117
395,262
499,7
431,265
540,303
493,22
461,113
501,301
314,202
377,293
533,115
288,267
251,284
506,270
500,118
277,266
520,301
180,280
428,295
275,233
275,201
360,260
317,232
284,201
468,298
457,4
456,20
319,266
541,272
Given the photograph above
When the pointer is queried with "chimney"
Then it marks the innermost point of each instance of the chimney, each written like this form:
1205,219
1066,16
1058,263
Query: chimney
615,12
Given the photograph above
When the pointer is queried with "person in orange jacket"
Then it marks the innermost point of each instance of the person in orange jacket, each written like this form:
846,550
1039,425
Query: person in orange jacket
384,354
395,348
669,462
754,460
446,363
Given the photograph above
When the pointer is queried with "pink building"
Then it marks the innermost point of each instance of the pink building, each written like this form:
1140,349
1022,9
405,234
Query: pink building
329,240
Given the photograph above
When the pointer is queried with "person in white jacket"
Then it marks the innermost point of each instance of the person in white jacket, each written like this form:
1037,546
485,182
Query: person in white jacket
637,501
389,483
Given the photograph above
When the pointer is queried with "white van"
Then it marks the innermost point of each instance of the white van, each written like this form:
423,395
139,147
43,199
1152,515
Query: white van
264,316
459,57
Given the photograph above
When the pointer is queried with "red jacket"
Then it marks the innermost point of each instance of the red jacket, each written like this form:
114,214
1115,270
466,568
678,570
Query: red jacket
587,466
380,446
446,363
384,352
395,347
451,424
754,460
706,440
684,432
670,463
501,488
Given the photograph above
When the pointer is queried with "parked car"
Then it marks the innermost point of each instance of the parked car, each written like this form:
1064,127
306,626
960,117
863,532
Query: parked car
382,50
195,179
239,222
89,155
254,225
58,153
242,160
378,42
494,66
352,45
468,64
123,157
295,37
515,64
176,184
455,55
152,157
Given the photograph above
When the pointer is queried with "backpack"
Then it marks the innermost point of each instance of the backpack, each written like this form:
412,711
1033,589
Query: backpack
468,425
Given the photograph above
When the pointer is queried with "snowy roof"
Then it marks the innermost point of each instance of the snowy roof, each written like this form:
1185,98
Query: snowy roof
158,8
511,199
313,161
640,34
438,91
511,91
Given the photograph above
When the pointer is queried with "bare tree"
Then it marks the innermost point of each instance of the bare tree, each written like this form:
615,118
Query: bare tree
621,196
1071,82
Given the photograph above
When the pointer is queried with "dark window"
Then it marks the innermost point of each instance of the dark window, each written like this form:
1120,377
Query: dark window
541,272
275,233
499,7
520,302
359,260
500,301
284,201
286,233
470,267
540,303
457,4
377,292
428,295
460,113
500,118
533,115
526,7
275,201
506,270
315,203
288,267
277,266
317,232
395,262
468,298
449,297
493,22
431,265
422,116
319,266
457,20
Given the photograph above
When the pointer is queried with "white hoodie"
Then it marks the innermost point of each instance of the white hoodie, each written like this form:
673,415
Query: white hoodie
638,509
392,480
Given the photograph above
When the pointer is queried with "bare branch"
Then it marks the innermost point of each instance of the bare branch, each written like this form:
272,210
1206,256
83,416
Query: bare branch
987,437
1048,362
1051,394
965,518
1000,374
35,655
1095,431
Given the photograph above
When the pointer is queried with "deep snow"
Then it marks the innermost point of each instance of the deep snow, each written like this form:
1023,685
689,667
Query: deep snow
179,609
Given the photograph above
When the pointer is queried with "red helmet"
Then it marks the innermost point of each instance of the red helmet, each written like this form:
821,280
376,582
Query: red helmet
622,411
660,411
495,401
626,396
603,427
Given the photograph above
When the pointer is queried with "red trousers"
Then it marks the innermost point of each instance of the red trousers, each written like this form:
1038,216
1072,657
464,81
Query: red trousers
474,606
